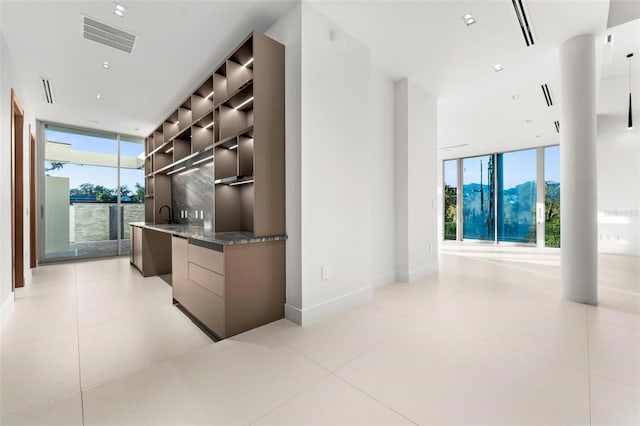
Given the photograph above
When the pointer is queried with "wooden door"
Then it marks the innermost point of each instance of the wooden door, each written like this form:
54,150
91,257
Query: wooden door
17,192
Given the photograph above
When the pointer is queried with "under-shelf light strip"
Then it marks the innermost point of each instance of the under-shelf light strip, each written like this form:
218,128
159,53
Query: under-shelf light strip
241,182
176,170
234,147
203,160
248,62
209,95
208,125
188,171
169,150
244,103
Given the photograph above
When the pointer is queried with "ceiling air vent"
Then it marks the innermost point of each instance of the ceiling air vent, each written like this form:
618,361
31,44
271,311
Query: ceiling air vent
48,91
557,124
524,21
547,95
106,34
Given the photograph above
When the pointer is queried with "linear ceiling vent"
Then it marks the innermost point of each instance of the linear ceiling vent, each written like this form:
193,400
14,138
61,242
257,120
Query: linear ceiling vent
106,34
47,89
557,124
547,95
524,21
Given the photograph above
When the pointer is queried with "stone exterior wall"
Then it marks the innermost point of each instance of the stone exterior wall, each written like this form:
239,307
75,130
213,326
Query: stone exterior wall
90,221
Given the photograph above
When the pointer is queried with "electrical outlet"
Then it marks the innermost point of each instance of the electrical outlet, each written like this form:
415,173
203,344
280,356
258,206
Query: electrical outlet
325,272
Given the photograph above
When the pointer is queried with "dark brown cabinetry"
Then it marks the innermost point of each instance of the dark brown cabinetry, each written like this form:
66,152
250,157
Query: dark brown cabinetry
234,122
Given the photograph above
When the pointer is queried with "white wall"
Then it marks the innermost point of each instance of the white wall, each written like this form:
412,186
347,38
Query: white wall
9,78
336,218
618,162
382,179
340,171
288,32
416,181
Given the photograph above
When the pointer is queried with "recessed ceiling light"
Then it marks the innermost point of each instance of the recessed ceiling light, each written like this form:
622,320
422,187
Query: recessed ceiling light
106,65
136,128
497,68
537,136
469,19
515,97
119,9
528,120
99,96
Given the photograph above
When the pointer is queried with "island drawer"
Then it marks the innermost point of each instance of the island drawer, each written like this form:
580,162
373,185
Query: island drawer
210,259
210,280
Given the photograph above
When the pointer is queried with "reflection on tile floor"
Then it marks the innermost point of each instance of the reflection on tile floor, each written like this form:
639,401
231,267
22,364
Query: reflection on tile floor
486,340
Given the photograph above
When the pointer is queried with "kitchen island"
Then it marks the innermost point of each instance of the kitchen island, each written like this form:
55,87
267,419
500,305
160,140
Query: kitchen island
227,282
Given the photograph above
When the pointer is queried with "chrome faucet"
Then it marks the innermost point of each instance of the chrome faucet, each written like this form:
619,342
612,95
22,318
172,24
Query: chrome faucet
168,208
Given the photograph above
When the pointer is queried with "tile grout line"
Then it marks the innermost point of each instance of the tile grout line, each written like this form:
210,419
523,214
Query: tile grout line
75,278
301,391
373,398
588,368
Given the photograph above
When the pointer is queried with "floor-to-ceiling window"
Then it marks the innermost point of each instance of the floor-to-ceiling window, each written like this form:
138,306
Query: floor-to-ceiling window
516,215
92,190
498,195
450,199
552,196
478,198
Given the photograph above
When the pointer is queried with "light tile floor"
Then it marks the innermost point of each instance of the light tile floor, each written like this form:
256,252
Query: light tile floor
487,340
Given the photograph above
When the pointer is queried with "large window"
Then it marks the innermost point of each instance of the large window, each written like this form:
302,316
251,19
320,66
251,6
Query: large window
517,196
500,197
478,198
450,199
93,187
552,196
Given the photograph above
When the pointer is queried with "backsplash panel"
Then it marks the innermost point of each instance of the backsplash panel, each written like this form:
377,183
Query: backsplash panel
193,192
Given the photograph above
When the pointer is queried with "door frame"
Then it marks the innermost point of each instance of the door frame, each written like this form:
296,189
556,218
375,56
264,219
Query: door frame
17,192
33,193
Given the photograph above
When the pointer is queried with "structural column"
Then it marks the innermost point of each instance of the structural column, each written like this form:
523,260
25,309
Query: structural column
578,200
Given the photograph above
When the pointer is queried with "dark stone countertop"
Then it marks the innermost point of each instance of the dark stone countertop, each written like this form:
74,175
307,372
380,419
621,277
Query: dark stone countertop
196,232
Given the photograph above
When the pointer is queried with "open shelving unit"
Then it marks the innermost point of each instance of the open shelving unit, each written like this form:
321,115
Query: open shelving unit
234,118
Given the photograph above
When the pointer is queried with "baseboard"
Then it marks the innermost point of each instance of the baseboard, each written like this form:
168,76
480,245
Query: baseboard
383,279
293,314
416,274
325,309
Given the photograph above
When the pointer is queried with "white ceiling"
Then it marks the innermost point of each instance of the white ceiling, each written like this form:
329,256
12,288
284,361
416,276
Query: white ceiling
427,41
178,43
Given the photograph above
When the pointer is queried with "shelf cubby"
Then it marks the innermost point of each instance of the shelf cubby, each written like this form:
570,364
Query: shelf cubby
238,75
162,159
203,133
236,113
185,115
181,148
202,100
220,84
170,127
245,156
158,139
226,163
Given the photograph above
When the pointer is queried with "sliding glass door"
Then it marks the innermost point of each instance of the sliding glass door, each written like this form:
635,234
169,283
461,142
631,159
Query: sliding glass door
90,192
517,196
478,198
498,195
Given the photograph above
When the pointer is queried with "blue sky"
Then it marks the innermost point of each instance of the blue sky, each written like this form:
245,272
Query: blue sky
105,176
518,167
